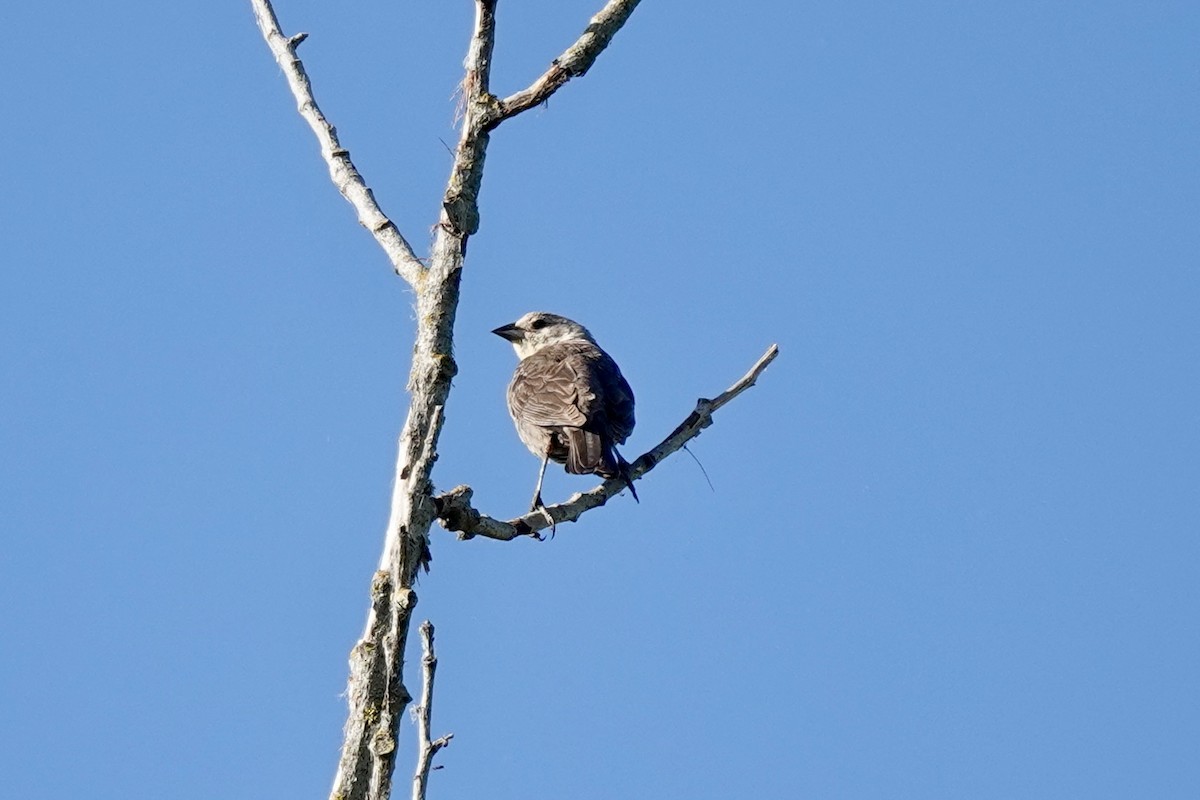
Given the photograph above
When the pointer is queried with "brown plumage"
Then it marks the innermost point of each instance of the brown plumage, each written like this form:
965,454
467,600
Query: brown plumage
567,398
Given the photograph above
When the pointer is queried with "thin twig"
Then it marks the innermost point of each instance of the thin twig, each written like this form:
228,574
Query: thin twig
574,62
341,169
424,713
456,513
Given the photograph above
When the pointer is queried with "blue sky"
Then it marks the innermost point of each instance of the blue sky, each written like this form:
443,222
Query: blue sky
952,546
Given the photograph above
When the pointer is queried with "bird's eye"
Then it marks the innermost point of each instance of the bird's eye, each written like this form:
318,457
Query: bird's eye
538,324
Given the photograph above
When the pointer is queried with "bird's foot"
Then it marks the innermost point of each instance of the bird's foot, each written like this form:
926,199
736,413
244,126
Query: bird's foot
539,506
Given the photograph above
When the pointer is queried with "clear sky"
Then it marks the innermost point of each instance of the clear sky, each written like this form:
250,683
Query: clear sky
952,550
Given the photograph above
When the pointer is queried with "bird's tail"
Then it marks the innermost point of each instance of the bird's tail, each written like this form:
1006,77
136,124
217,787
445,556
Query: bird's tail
587,453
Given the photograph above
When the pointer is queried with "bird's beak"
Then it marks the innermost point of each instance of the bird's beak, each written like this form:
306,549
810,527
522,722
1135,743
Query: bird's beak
510,332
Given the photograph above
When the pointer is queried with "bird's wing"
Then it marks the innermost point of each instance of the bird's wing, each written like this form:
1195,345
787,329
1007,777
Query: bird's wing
618,401
551,388
575,388
574,384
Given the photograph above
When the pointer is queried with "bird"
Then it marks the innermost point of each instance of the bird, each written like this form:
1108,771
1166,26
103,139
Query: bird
568,399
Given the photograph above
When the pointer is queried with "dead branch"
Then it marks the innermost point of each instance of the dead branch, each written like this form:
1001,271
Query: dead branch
574,62
456,513
376,693
424,713
341,169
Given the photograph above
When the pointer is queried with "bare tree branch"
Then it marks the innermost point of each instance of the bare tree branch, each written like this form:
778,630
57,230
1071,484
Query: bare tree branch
341,169
460,205
424,713
376,693
456,513
574,62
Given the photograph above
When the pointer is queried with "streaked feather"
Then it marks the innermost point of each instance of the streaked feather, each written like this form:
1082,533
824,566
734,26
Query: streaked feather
570,400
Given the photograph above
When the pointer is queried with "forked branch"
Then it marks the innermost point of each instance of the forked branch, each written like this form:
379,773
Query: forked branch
456,513
376,693
574,62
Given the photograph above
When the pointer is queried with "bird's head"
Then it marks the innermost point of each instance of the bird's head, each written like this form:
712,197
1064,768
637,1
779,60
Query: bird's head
537,329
